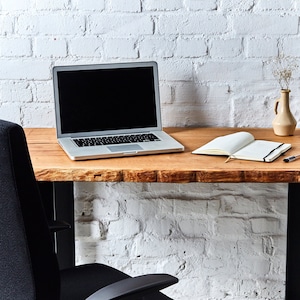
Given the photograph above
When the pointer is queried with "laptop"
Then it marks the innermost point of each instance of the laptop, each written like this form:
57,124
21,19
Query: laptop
110,110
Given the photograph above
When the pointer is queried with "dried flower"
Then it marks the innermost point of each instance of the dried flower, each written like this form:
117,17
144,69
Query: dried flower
282,69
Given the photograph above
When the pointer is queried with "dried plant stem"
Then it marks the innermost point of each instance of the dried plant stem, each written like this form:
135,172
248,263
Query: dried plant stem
282,69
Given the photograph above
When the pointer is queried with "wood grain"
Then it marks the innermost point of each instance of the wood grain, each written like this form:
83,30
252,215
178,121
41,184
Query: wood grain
50,163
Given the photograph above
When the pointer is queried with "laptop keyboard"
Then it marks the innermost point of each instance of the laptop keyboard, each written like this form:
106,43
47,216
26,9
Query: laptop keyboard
119,139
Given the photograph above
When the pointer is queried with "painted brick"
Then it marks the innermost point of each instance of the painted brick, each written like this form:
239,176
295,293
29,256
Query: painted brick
226,48
165,94
49,47
175,70
10,112
156,47
161,227
291,46
191,93
53,24
92,229
265,225
33,114
89,5
15,47
231,227
261,47
78,47
15,5
121,48
120,25
236,5
42,91
275,5
195,5
106,211
6,24
194,228
51,4
195,209
195,24
24,69
265,24
124,6
229,71
157,5
255,265
125,227
151,247
246,109
15,92
191,47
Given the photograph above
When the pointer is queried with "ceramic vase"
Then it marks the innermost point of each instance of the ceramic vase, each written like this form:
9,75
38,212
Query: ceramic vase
284,123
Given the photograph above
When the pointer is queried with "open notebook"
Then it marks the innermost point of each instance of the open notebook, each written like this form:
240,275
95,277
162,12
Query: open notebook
110,110
243,145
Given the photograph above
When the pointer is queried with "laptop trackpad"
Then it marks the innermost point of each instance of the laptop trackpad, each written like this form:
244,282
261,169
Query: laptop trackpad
125,148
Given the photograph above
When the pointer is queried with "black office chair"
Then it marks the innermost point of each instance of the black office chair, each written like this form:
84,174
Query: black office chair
28,263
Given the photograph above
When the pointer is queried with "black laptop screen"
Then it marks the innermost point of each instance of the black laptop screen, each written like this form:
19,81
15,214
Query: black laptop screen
106,99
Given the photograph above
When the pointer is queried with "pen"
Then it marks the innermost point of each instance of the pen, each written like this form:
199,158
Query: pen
291,158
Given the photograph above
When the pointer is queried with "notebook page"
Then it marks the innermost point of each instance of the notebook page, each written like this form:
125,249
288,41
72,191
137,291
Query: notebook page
227,144
257,150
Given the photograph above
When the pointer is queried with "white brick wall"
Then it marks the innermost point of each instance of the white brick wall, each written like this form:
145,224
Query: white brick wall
223,241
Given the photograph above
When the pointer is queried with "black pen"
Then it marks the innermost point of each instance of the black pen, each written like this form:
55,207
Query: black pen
291,158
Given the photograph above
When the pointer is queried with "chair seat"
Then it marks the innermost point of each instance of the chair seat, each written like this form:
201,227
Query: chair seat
95,277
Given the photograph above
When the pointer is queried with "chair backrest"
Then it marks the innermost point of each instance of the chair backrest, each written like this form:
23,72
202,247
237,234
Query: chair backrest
28,264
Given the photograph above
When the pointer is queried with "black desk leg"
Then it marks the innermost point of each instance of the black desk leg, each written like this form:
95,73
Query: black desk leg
293,244
58,198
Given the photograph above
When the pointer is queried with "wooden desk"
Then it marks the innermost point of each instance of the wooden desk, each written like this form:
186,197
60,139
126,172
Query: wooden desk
52,165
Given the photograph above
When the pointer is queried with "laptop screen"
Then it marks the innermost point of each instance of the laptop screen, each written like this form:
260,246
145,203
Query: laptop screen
105,98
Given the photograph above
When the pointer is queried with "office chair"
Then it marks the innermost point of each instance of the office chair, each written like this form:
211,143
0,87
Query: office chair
28,263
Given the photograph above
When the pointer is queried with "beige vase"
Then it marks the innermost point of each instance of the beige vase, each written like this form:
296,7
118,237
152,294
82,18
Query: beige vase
284,123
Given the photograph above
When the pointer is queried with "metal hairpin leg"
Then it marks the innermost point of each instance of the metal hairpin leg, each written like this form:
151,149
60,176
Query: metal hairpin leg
293,243
58,198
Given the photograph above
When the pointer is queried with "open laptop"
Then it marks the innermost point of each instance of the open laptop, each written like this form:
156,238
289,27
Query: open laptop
110,110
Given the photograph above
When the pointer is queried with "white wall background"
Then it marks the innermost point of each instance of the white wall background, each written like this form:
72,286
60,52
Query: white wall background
223,241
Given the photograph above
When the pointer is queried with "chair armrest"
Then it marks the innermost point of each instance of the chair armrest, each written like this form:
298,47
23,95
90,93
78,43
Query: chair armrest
56,226
134,286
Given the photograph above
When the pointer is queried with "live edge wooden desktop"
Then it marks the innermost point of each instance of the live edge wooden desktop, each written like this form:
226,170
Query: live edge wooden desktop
56,173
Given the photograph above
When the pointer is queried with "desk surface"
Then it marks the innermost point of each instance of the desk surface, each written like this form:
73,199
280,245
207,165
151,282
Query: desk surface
50,163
